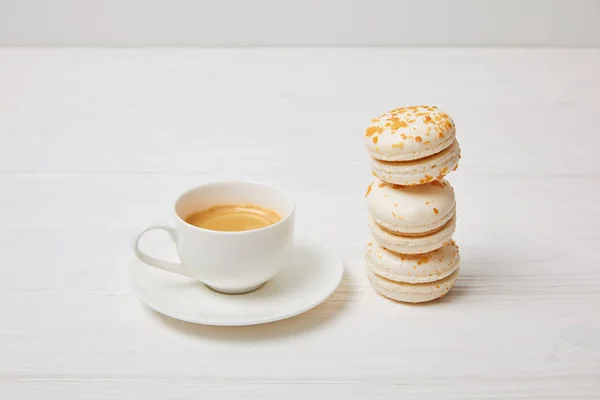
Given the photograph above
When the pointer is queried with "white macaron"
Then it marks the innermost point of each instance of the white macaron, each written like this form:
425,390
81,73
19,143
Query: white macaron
412,145
411,210
409,133
412,293
423,268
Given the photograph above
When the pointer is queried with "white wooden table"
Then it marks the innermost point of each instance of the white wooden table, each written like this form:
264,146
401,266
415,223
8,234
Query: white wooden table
95,144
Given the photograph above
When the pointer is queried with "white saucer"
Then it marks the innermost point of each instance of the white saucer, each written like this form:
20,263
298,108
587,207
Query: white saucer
312,276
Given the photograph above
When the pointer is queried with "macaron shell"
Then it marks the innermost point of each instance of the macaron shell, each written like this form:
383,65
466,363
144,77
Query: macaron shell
409,133
411,209
418,172
412,293
412,244
422,268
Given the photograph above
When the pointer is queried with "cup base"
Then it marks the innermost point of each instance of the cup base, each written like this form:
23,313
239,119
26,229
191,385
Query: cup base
238,291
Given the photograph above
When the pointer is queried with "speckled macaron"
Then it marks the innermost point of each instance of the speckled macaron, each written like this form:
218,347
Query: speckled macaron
412,145
411,293
411,219
411,209
421,268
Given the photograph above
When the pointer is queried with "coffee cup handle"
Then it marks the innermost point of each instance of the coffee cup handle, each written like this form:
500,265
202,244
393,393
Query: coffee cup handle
155,262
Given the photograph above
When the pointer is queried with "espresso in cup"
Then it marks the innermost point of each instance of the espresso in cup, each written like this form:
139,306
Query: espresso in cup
233,218
232,236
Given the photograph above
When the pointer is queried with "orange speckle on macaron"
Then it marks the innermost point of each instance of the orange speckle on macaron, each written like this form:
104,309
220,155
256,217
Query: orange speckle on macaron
371,131
428,178
443,172
423,260
397,125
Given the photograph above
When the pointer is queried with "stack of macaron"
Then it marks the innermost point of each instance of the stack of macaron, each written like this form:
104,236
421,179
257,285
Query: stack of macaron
410,255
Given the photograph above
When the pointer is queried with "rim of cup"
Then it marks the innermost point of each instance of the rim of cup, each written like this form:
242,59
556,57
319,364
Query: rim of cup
229,182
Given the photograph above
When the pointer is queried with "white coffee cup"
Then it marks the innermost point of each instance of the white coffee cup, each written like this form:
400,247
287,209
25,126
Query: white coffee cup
228,262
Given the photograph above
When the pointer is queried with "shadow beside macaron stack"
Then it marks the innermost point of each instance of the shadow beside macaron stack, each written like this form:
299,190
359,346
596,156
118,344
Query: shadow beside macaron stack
410,255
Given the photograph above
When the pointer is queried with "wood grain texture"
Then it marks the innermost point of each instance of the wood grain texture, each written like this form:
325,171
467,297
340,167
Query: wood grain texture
95,144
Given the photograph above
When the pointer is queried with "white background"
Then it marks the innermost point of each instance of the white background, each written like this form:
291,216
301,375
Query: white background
300,22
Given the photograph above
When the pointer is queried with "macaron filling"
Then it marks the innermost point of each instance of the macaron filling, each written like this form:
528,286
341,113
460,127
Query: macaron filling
378,152
417,231
412,292
418,172
418,161
417,234
409,244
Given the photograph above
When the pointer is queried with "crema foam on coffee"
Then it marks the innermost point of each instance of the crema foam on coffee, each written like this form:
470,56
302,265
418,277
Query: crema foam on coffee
233,218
